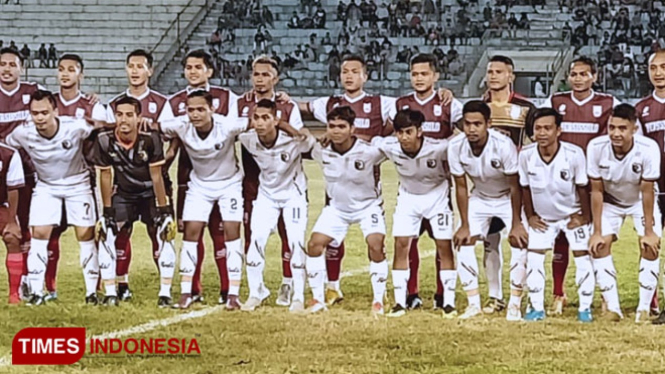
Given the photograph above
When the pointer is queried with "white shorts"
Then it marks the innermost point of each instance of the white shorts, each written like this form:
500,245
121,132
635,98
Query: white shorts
266,213
482,211
412,209
46,207
334,223
613,217
199,202
578,238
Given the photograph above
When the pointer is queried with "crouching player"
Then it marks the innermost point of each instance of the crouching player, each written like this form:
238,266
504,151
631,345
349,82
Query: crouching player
556,199
623,168
282,192
133,160
424,194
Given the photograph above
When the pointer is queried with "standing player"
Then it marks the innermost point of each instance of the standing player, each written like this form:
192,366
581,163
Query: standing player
56,147
133,161
509,114
198,71
265,75
439,119
282,193
154,108
489,159
348,167
14,110
71,103
11,174
424,194
556,200
624,168
585,114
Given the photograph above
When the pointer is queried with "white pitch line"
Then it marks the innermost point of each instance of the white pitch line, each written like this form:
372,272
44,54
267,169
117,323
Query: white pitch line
154,324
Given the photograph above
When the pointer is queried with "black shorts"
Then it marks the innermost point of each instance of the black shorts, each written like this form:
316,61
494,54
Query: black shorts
130,209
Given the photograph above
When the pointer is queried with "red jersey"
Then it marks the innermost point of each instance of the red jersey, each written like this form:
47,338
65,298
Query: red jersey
372,111
80,107
154,106
583,120
11,172
651,120
439,118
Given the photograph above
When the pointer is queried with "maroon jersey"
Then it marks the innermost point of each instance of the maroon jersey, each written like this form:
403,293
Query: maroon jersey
11,172
80,107
583,120
439,118
154,106
371,111
651,116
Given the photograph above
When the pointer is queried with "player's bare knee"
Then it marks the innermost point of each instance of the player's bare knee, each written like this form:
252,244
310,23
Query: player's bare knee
41,232
231,230
648,255
12,242
580,253
315,248
377,252
84,234
193,231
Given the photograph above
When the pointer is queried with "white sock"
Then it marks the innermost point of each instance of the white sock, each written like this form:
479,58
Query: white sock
165,289
288,281
536,280
606,277
188,261
449,281
334,285
166,264
467,269
90,266
37,260
316,272
648,279
107,258
234,265
255,265
110,290
586,281
378,275
517,273
493,263
298,272
400,281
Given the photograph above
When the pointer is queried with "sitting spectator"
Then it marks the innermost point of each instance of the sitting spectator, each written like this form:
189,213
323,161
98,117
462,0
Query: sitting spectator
341,11
524,23
52,55
343,37
294,23
333,53
216,40
432,37
404,56
487,12
566,31
333,71
25,52
320,18
539,88
512,25
365,11
455,67
374,31
12,45
429,10
43,56
267,17
353,14
327,40
386,44
301,53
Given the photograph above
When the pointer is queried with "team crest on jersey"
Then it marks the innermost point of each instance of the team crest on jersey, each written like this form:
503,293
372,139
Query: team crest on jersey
405,107
152,107
181,107
66,144
143,156
637,168
431,163
515,111
359,164
437,110
285,156
245,111
26,99
279,114
80,113
597,111
496,163
645,111
219,146
562,109
335,105
215,104
367,107
565,174
1,165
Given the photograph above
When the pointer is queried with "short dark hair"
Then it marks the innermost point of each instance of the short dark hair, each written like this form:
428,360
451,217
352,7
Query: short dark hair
201,93
71,57
505,59
12,51
263,59
40,95
406,118
588,61
425,58
477,106
267,104
140,53
199,53
353,57
543,112
131,101
625,111
345,113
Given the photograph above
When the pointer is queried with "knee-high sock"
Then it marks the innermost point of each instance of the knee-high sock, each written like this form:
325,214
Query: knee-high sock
439,284
298,272
53,259
107,264
123,247
560,258
255,264
14,265
166,262
606,277
467,268
90,265
188,262
536,280
648,278
286,250
414,267
400,280
37,260
216,228
334,256
448,278
493,262
234,265
585,280
316,272
197,286
378,274
517,274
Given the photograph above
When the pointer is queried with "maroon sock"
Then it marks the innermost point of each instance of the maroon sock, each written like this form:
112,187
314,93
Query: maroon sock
654,301
559,265
197,287
216,228
25,248
155,247
414,266
53,249
439,285
286,251
124,252
334,256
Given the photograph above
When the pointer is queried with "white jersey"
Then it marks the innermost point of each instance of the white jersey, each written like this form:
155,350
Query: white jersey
281,165
350,181
490,170
213,158
423,173
622,178
58,161
553,184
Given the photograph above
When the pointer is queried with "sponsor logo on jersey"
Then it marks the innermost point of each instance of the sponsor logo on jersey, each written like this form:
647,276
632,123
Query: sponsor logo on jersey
359,164
565,174
285,156
152,107
655,126
645,111
367,107
597,111
1,165
219,146
637,168
431,126
562,109
66,144
496,163
361,123
279,114
437,110
80,113
431,163
26,99
580,127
